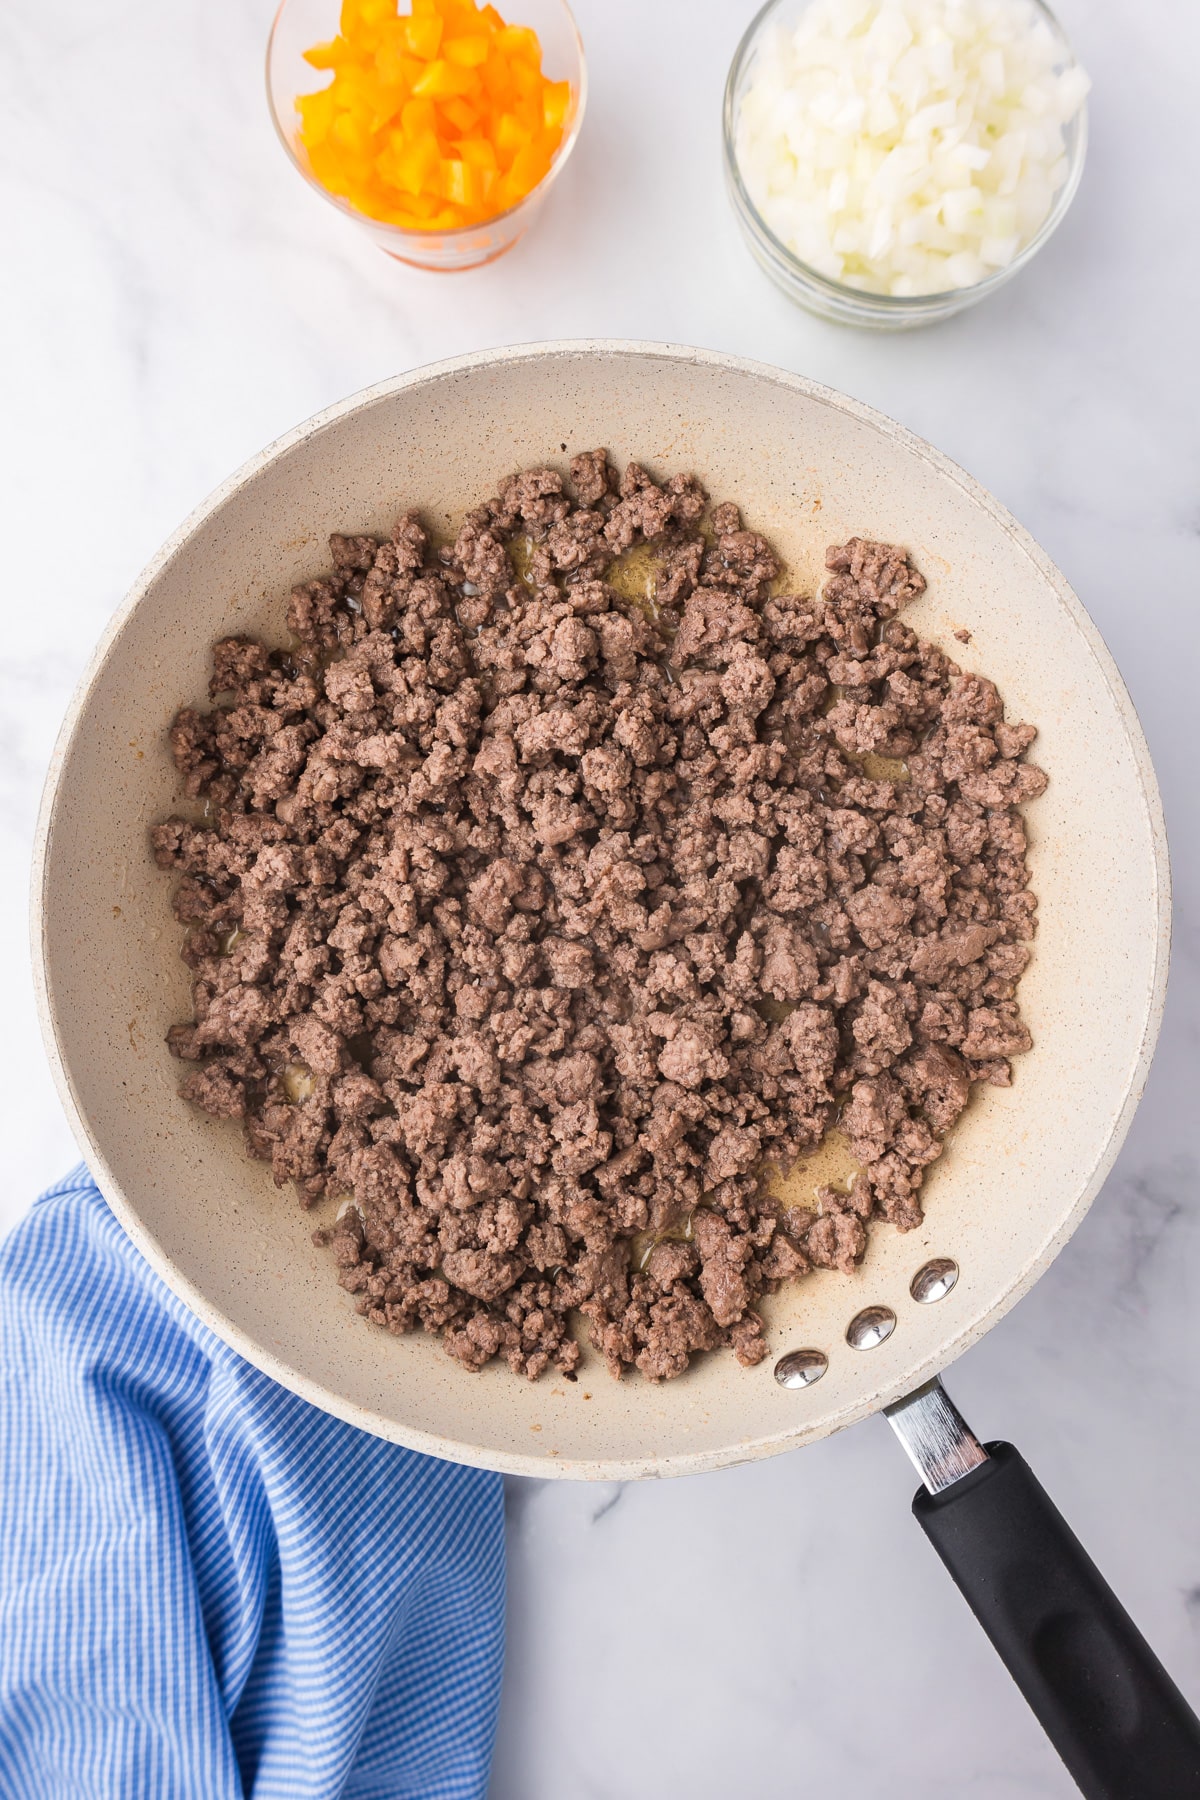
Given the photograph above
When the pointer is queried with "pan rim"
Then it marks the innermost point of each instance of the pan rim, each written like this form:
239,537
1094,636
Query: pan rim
599,1468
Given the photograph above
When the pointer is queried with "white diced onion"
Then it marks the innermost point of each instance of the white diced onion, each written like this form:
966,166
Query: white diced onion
908,146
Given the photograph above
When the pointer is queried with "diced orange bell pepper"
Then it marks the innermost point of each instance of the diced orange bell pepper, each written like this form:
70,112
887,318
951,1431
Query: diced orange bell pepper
528,166
390,53
479,152
409,163
519,43
457,116
556,100
350,130
317,112
434,119
454,181
440,80
324,56
424,36
418,116
467,52
359,17
508,135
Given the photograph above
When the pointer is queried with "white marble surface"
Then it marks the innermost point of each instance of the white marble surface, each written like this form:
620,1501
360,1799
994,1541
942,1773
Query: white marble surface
173,298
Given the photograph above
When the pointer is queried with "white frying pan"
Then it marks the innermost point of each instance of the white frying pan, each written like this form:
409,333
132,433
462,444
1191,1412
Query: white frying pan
809,468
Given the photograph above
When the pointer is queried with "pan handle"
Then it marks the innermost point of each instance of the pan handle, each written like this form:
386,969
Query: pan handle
1121,1726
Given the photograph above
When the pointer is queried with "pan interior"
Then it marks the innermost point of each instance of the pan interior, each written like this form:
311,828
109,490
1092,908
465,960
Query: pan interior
808,469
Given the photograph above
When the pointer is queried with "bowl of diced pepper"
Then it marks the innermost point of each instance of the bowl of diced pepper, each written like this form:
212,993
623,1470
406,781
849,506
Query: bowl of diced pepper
439,128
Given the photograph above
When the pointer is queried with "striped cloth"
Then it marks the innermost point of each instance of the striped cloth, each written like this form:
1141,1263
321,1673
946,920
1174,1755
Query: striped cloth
208,1588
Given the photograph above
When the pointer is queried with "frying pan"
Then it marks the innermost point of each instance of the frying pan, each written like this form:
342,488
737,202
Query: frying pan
809,468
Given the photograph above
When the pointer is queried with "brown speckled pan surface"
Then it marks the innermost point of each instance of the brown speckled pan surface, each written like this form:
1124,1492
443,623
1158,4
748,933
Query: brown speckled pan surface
809,468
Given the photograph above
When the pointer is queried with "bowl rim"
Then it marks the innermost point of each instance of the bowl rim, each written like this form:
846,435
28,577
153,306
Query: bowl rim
601,1468
896,305
413,235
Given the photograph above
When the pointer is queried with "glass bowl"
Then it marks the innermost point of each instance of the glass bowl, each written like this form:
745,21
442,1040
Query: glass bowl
299,24
834,299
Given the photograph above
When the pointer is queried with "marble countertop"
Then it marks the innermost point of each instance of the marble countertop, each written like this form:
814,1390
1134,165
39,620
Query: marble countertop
174,299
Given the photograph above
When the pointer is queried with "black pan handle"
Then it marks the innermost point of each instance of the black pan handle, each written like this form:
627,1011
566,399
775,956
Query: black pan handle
1108,1706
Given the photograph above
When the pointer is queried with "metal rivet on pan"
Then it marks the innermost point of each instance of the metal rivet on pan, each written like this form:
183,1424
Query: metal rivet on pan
934,1280
800,1368
870,1327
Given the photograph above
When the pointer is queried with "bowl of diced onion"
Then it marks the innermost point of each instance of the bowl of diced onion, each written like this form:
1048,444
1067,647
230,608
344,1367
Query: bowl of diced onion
892,162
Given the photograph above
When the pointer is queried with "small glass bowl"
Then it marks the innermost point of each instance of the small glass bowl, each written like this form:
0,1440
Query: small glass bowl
299,24
834,299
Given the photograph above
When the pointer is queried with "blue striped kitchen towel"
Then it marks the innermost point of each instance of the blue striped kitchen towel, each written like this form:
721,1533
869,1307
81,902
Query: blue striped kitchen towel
209,1589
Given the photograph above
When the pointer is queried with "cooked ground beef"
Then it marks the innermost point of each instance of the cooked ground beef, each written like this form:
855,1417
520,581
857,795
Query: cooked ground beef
541,922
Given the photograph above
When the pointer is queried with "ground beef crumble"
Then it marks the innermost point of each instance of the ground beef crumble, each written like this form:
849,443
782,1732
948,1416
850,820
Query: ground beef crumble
540,922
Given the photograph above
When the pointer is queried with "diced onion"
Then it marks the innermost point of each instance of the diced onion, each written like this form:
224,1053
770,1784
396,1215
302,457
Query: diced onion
908,146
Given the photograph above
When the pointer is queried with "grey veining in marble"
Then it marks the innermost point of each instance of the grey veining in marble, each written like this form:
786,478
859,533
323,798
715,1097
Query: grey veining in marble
173,297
